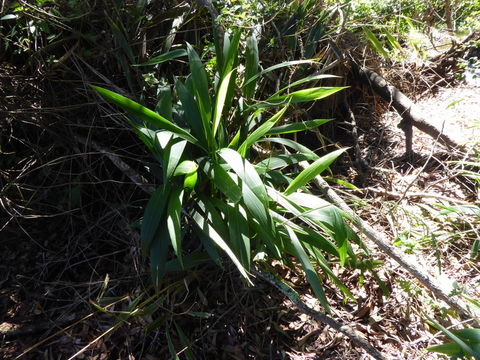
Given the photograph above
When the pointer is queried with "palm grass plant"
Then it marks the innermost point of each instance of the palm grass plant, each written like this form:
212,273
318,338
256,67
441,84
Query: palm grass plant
219,193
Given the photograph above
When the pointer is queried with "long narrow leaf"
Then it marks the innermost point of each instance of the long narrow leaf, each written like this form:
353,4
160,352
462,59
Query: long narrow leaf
191,114
174,54
304,95
143,113
158,255
313,170
296,127
260,131
239,233
277,66
310,272
174,211
210,231
152,216
220,101
251,67
304,80
246,172
200,87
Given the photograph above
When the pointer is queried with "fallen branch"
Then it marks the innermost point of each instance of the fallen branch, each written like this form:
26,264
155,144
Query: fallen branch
319,316
404,106
462,309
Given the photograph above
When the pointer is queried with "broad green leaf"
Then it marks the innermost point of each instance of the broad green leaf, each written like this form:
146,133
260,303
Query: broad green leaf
300,96
313,170
200,87
450,348
186,167
143,113
246,172
191,114
471,335
220,101
260,131
304,80
466,348
172,155
174,211
210,231
310,272
275,67
152,216
251,66
174,54
296,127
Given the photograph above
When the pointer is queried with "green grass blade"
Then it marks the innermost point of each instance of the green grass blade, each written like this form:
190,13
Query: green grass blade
143,113
251,67
174,211
296,127
310,272
313,170
174,54
220,101
152,216
260,131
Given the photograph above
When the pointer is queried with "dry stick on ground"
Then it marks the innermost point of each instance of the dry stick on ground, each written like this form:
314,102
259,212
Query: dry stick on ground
404,106
319,316
462,309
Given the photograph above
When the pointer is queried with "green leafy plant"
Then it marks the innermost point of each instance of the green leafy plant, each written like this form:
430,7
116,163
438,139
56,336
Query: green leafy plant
218,188
465,342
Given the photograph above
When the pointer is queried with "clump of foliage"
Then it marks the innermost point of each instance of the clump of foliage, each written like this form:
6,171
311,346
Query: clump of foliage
217,190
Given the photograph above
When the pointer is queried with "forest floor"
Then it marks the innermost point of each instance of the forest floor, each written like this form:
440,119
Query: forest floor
50,282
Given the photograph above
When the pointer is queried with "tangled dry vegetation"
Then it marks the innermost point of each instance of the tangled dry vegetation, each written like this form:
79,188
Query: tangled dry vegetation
73,186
